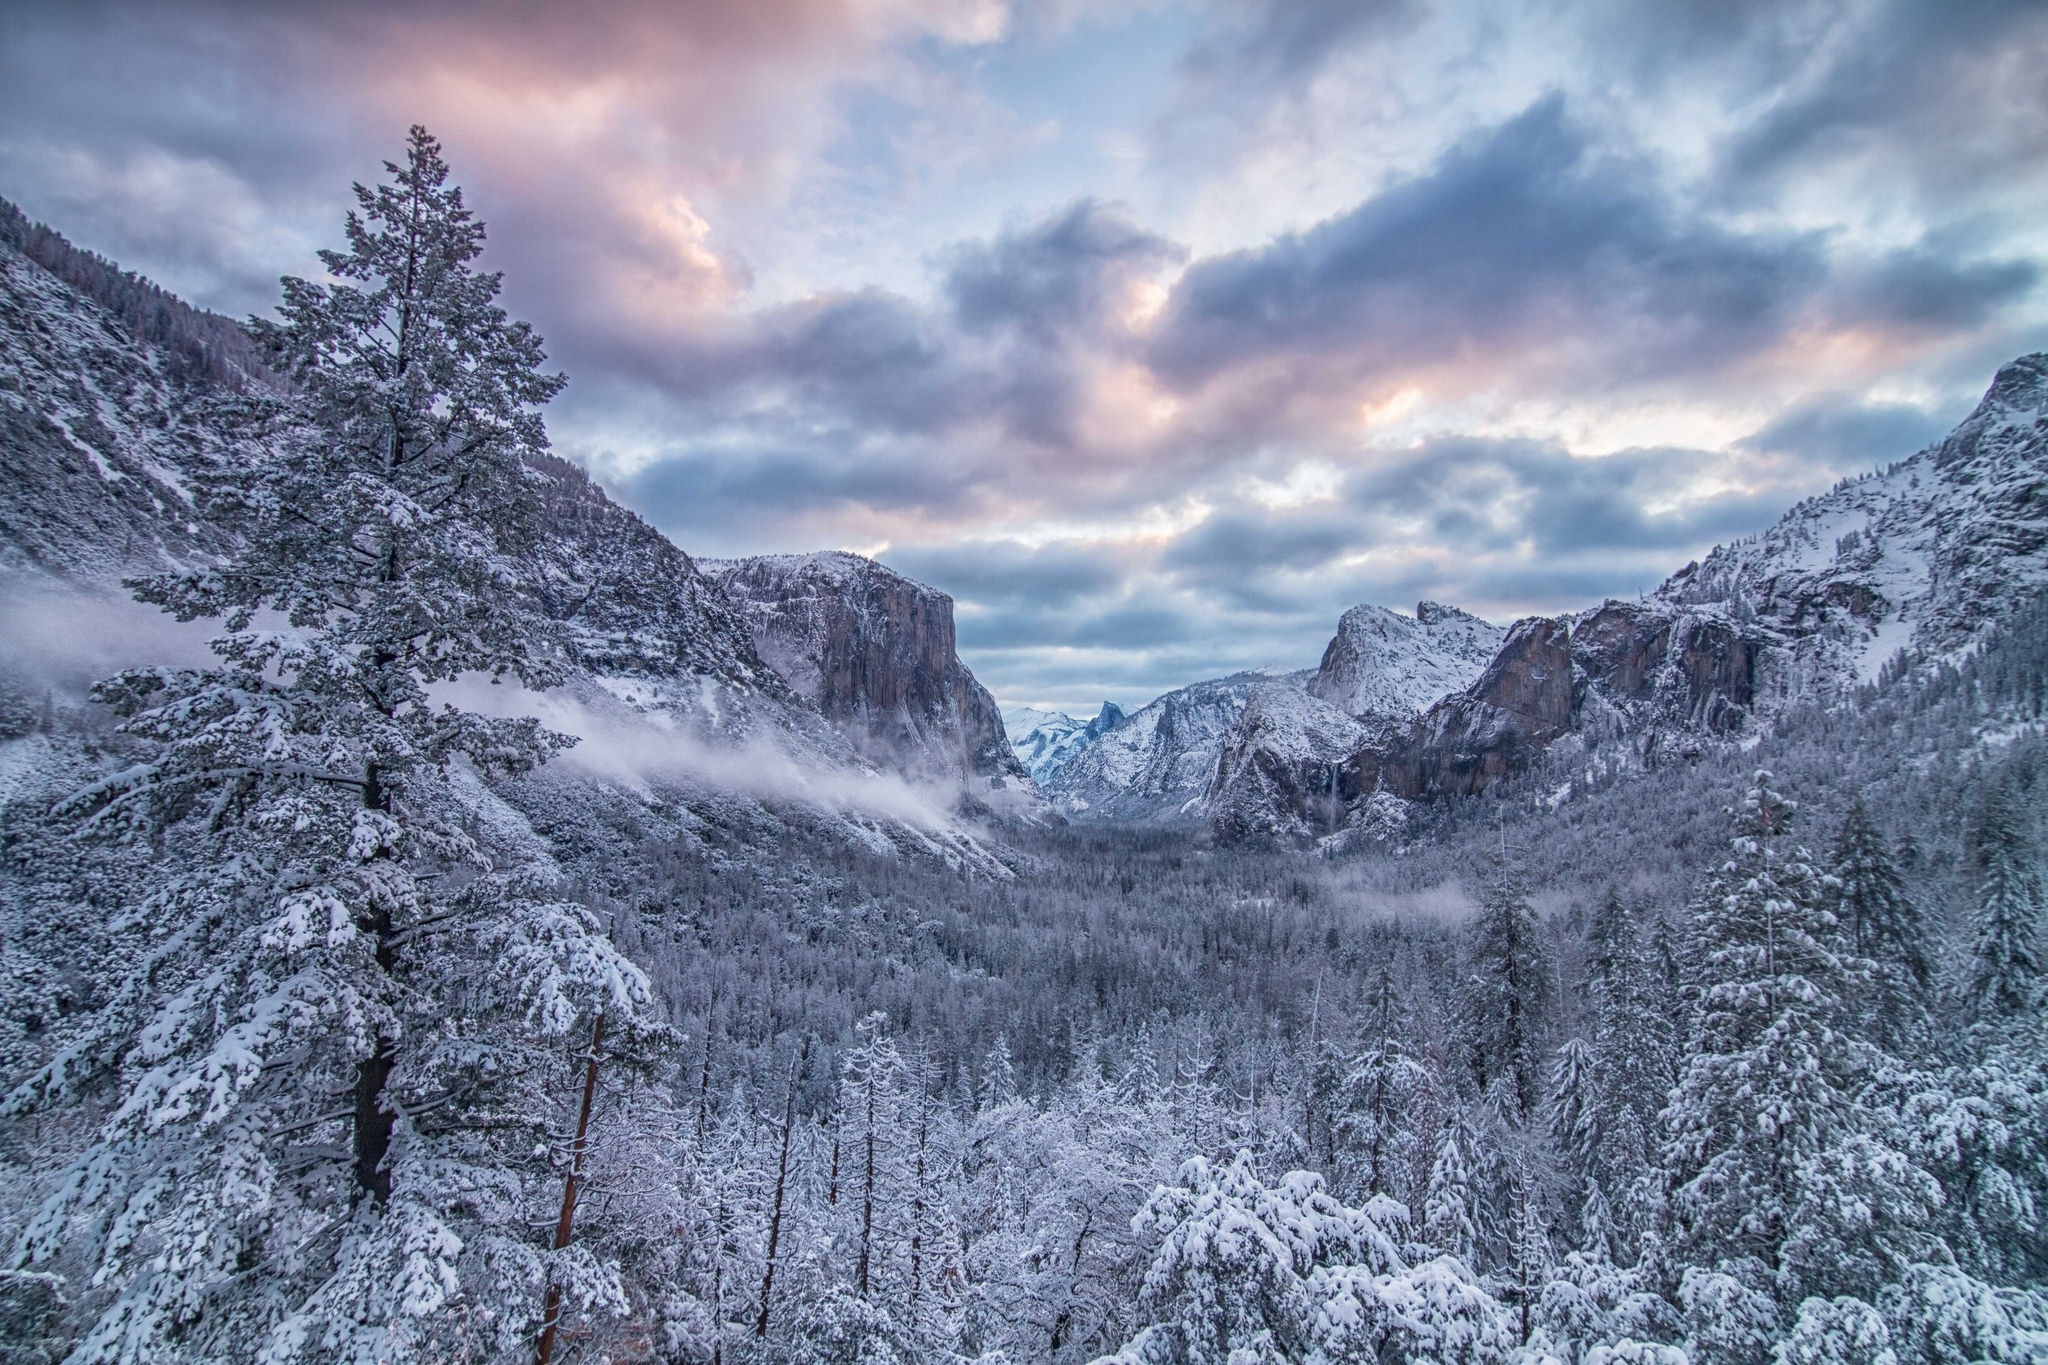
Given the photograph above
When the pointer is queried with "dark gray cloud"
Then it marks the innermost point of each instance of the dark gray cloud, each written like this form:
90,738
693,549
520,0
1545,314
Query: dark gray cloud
1938,96
1495,495
1530,246
1007,573
1057,278
1522,235
1846,431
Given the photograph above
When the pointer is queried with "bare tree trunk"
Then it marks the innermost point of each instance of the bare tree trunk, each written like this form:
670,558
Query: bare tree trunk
867,1191
551,1310
775,1217
917,1202
704,1080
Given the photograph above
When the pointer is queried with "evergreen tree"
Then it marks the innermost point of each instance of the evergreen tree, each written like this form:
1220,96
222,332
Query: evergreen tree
1773,1161
1449,1215
1575,1107
1381,1100
2005,974
1882,925
871,1105
348,927
1632,1042
1508,985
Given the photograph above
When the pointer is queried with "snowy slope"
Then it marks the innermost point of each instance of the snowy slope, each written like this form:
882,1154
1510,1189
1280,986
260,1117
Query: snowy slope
1382,663
105,448
1926,553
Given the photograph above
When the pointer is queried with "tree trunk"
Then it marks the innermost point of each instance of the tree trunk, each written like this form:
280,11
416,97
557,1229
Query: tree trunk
775,1217
374,1123
374,1120
867,1192
551,1309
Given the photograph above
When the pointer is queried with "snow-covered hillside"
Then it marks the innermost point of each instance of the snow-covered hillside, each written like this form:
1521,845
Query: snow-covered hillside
1926,553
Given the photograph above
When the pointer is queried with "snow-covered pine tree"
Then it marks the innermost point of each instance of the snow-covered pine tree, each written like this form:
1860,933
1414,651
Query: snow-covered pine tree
1508,996
1574,1118
2005,972
1882,925
330,1071
1449,1218
1378,1123
871,1104
1773,1162
1632,1052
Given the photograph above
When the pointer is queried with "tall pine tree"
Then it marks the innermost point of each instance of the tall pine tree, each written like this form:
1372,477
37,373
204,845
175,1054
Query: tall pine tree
2005,971
1777,1171
1508,998
328,1077
1882,925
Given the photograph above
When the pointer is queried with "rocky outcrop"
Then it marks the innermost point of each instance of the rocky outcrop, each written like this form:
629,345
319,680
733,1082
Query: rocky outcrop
1465,743
1676,668
1381,663
1158,764
874,652
1279,776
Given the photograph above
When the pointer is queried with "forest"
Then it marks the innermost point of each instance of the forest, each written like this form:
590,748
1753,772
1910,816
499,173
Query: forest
342,1023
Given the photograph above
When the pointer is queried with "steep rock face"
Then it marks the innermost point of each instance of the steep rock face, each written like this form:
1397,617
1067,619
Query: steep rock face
1157,766
1519,705
873,651
1382,663
1279,775
1682,669
1044,741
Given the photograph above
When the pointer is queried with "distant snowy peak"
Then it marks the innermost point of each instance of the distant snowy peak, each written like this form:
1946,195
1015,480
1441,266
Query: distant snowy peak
1045,741
1384,664
1155,766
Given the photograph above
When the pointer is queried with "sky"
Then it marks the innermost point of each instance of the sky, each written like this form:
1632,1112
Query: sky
1156,334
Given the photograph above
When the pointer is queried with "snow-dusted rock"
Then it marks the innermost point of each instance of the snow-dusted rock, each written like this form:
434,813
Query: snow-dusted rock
1156,766
1382,663
874,652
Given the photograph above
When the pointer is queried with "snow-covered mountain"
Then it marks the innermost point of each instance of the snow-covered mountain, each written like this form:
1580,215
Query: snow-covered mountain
874,652
1156,765
1044,741
1382,663
118,421
1920,559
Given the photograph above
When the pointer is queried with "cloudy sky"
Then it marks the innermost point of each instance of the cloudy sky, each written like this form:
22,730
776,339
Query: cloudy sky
1155,333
